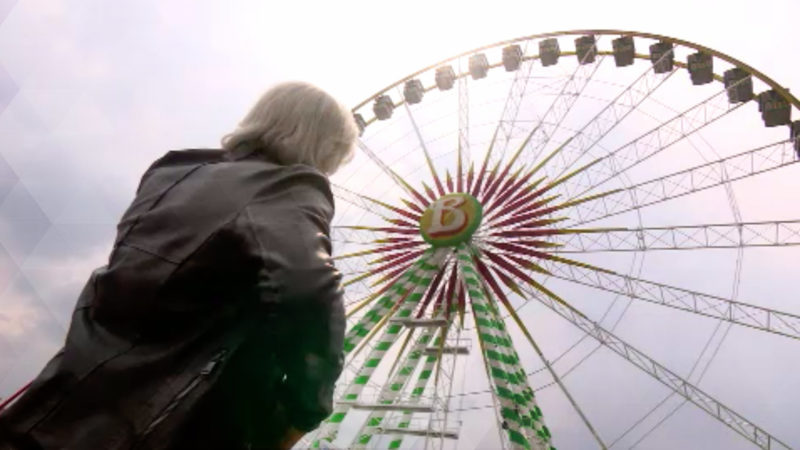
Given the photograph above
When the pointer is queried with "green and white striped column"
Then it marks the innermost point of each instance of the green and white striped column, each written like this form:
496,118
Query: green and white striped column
500,357
424,376
385,304
392,391
419,387
415,285
532,412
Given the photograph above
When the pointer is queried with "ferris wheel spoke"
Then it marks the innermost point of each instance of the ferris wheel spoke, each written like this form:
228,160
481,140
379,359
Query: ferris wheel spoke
513,190
740,313
385,249
424,148
541,213
353,235
388,271
548,123
367,203
611,115
542,133
730,235
398,180
511,107
463,151
378,232
506,125
562,105
523,198
675,382
656,140
688,181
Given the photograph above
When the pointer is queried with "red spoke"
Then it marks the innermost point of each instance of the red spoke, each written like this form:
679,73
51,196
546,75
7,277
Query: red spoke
500,261
394,273
394,256
515,189
412,206
531,215
431,290
484,271
470,176
402,223
521,199
430,192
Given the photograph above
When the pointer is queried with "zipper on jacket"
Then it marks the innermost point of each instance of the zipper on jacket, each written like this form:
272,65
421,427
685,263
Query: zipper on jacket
207,370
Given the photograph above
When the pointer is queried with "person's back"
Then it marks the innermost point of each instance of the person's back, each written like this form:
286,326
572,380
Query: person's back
217,322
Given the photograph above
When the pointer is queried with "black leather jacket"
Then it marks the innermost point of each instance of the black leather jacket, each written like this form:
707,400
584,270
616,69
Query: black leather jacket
217,322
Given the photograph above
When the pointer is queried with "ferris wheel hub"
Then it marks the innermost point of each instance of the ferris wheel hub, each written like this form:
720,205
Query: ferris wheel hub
451,220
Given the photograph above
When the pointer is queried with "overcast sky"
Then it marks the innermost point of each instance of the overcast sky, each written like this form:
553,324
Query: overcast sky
92,91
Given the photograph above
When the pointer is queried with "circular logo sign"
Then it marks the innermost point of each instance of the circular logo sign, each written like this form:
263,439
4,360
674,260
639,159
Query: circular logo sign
451,220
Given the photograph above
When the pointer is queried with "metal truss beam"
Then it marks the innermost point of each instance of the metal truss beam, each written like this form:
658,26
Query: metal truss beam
399,181
740,313
651,143
679,385
348,196
505,126
434,175
355,236
464,156
729,235
688,181
607,119
558,110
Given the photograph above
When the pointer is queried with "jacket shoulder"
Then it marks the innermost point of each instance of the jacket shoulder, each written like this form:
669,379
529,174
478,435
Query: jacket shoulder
187,157
301,186
190,157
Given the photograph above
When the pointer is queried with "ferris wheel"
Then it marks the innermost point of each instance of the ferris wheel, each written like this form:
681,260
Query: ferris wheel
518,212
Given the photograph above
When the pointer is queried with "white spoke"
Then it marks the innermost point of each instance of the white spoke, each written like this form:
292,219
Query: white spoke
740,313
555,376
561,106
652,142
389,172
507,121
729,235
422,145
679,385
357,200
608,118
464,157
688,181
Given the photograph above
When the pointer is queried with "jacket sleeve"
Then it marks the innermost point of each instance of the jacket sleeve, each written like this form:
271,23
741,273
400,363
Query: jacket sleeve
300,289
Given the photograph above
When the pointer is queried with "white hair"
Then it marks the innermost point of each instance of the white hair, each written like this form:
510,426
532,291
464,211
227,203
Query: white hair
296,122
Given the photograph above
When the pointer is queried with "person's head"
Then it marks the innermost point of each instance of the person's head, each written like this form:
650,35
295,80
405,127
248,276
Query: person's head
296,122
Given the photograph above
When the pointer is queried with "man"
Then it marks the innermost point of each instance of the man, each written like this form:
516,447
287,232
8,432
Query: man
218,321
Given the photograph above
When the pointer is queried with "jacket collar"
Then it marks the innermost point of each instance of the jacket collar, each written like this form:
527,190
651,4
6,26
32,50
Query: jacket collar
248,150
241,151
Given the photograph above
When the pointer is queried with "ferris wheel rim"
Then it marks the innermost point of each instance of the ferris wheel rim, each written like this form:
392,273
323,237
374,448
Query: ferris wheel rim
794,101
517,40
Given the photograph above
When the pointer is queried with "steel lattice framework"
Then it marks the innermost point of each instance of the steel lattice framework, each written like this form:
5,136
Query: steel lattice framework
548,196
